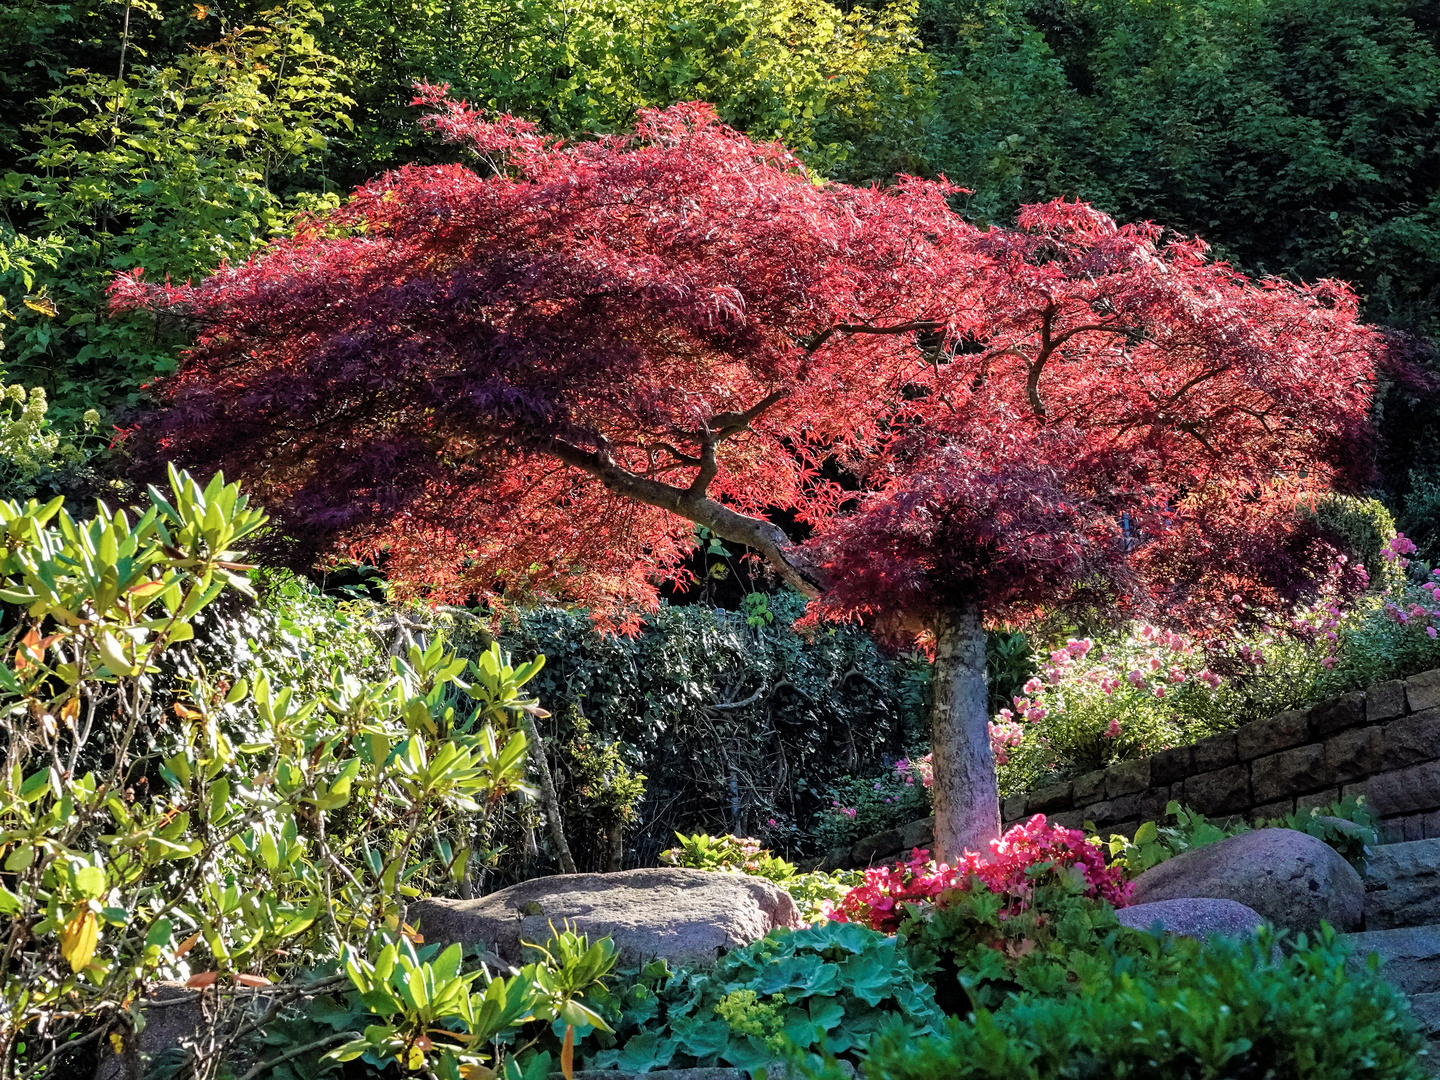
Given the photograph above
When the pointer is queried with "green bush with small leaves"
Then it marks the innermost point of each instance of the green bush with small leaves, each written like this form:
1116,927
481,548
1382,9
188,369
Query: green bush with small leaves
1223,1008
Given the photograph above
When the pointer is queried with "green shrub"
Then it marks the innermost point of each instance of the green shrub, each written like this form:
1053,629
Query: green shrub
1362,526
1347,825
812,892
1223,1008
738,724
826,990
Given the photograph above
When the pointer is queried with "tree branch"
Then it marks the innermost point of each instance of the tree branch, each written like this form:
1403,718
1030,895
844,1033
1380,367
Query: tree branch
764,537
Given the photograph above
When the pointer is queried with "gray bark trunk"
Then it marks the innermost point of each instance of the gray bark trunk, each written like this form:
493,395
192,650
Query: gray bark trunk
548,799
967,798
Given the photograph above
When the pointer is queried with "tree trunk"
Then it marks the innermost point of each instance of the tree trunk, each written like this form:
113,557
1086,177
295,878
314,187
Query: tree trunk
616,860
548,799
967,798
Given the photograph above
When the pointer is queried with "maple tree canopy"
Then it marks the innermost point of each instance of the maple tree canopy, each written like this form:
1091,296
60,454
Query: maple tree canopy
535,379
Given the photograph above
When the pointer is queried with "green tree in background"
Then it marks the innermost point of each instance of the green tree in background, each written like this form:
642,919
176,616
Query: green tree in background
1299,137
848,91
171,166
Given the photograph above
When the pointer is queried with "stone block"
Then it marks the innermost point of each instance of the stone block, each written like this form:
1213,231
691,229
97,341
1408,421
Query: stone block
1271,811
1290,772
1355,754
1125,828
918,834
1150,804
877,849
1410,874
1278,733
1346,711
1013,808
1385,701
1171,766
1052,797
1089,788
1404,791
1106,814
1216,752
1412,740
1069,819
1127,778
1223,791
1423,691
1317,800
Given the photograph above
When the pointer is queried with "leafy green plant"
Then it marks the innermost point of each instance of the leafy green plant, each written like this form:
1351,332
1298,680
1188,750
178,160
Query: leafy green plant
259,829
430,1019
1347,825
181,167
740,853
825,990
1222,1008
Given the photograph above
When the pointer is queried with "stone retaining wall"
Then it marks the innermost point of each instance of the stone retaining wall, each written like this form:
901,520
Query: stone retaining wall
1383,743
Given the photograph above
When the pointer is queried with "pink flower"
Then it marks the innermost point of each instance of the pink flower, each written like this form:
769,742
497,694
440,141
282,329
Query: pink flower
1137,678
1079,648
1430,630
772,823
1109,685
1210,679
1330,661
1060,657
1159,691
1034,686
1035,714
1176,675
1154,663
1113,730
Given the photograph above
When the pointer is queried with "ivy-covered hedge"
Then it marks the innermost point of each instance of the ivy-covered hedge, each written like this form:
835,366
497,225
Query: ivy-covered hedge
739,722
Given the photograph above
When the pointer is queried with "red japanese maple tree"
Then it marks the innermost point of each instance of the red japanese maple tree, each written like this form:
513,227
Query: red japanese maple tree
539,377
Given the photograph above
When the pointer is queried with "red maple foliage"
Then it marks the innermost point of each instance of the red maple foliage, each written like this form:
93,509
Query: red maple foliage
536,378
534,381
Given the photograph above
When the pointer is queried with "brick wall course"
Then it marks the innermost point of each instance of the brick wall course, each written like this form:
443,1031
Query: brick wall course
1215,752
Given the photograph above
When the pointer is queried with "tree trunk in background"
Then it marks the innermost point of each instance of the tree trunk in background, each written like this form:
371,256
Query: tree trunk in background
967,798
548,799
616,858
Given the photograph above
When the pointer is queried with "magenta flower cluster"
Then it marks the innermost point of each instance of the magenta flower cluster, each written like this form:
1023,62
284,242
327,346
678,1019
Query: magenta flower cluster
1018,861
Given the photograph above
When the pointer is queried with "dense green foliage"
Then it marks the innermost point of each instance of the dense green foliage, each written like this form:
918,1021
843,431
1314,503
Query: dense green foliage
1299,137
1222,1008
740,725
827,989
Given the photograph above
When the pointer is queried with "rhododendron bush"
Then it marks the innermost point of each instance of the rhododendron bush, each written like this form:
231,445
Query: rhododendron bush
1023,859
535,377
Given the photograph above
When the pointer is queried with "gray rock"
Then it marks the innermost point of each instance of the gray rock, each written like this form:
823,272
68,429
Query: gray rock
1409,958
178,1022
1405,885
1198,917
1288,877
688,917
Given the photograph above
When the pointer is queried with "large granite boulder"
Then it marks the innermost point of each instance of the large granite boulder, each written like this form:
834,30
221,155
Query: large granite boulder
1288,877
1196,917
688,917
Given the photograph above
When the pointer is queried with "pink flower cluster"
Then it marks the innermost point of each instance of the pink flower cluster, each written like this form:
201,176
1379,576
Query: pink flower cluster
879,900
920,769
1004,737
